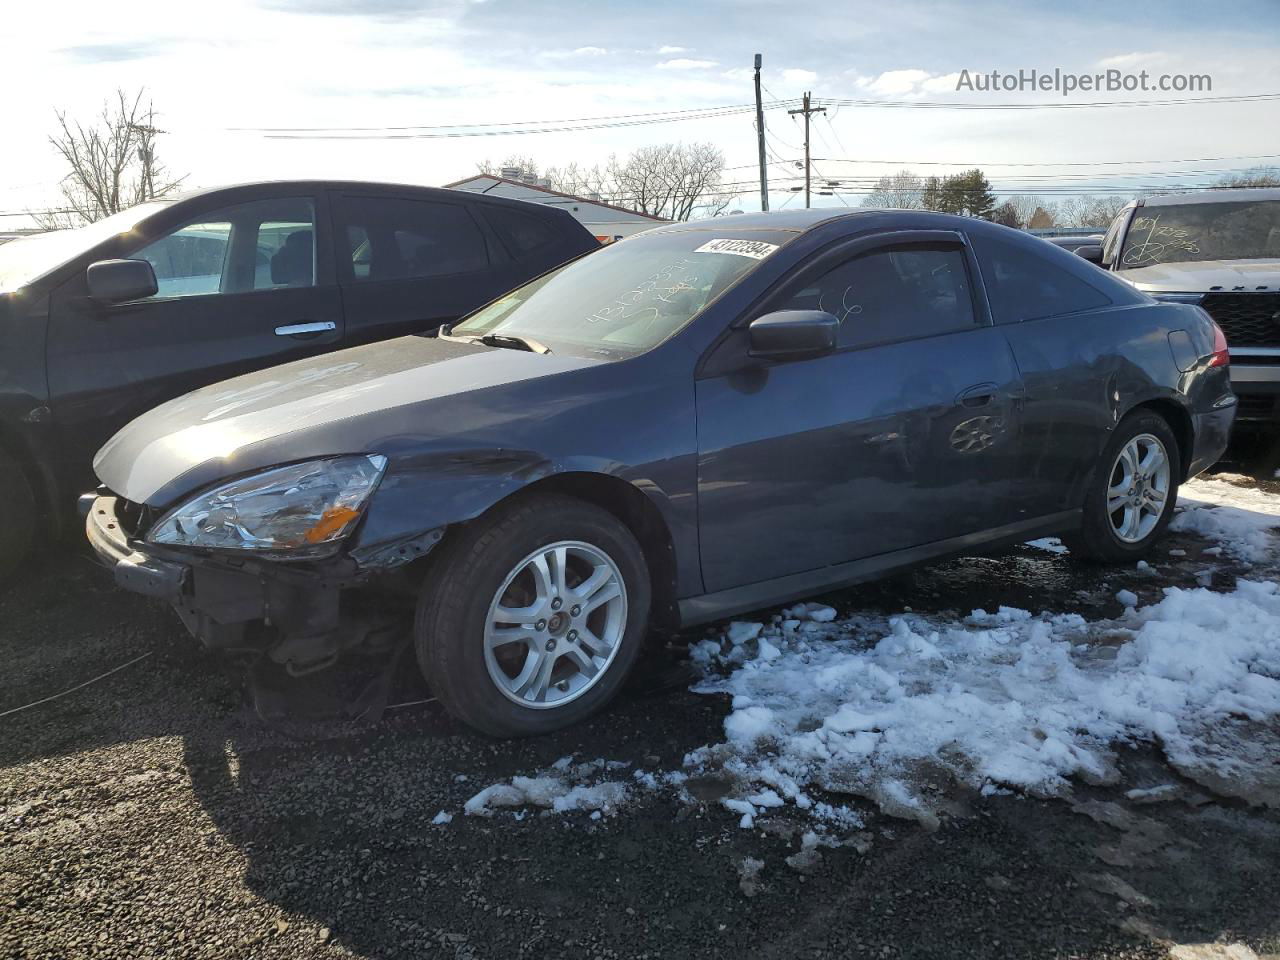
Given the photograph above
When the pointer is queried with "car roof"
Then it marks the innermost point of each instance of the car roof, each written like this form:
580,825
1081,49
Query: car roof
438,193
802,220
1225,195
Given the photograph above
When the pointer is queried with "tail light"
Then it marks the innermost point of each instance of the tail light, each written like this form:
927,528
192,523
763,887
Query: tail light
1221,356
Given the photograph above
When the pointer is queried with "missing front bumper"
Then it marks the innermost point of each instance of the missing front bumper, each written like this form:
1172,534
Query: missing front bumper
297,618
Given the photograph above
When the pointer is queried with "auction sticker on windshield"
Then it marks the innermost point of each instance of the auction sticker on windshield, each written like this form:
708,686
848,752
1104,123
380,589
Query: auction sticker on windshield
755,249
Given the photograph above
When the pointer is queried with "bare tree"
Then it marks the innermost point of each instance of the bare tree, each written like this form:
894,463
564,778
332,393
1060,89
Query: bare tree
903,190
113,161
1090,211
1255,177
1024,207
674,181
670,180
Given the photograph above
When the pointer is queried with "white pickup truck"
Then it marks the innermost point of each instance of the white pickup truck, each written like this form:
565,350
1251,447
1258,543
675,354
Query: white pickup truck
1219,249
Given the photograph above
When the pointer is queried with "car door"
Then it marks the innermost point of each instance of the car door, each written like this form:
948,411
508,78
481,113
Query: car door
240,287
408,265
1064,337
901,437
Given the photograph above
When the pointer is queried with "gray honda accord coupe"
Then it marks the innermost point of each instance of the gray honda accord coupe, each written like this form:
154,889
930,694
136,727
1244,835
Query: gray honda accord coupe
701,420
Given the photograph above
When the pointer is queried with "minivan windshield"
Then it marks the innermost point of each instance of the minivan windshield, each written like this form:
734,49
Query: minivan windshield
628,296
27,258
1243,230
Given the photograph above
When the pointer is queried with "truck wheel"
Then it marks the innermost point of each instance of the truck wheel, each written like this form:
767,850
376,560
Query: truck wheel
531,619
17,517
1131,496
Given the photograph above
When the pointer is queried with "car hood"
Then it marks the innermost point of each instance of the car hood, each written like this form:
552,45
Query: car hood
362,400
1201,276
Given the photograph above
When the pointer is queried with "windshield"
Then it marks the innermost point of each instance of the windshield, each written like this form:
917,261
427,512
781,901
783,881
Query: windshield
1203,231
25,259
628,296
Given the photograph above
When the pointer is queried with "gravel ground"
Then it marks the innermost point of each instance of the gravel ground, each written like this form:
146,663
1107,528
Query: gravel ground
154,814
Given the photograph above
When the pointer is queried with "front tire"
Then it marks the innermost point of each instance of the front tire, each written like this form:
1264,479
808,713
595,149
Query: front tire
531,619
17,517
1132,493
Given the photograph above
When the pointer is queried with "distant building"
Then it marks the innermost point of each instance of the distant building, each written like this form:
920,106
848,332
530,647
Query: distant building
606,221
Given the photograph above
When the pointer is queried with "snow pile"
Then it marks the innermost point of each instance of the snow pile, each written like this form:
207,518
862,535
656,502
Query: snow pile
1232,511
895,709
565,788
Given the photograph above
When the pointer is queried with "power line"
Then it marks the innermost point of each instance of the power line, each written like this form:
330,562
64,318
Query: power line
1096,104
511,123
508,130
1064,163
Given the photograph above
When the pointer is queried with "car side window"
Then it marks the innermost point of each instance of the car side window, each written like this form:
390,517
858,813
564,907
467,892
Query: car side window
520,232
392,239
1027,284
897,293
263,245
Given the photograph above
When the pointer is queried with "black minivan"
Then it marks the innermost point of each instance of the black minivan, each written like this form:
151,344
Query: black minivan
100,324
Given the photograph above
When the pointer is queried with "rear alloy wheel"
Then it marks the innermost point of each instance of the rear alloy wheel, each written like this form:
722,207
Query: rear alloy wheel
531,618
17,517
1131,496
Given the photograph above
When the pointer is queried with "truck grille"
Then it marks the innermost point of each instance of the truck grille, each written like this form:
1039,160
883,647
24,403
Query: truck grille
1248,319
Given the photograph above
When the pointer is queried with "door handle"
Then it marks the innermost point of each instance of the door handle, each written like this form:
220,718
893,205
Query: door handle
306,329
977,396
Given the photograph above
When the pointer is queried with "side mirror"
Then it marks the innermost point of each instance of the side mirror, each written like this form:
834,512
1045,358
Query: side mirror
115,281
792,334
1091,252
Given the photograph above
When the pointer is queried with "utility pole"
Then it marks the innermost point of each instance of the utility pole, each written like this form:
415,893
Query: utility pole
764,173
806,110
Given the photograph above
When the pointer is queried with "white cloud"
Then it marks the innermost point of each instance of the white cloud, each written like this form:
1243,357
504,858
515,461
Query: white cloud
945,83
576,52
1133,59
798,76
895,81
684,63
668,50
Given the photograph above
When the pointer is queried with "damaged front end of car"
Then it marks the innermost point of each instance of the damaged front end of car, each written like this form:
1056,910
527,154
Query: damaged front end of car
260,566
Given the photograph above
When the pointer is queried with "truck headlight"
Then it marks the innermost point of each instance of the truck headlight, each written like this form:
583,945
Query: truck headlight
301,510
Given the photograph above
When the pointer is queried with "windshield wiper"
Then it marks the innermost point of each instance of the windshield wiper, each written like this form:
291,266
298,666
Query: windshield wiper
512,342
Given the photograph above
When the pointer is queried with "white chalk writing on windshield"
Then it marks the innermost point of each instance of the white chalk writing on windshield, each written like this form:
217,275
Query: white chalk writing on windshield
1161,241
644,297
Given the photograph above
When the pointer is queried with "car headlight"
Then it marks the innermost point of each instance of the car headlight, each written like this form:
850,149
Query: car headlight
301,510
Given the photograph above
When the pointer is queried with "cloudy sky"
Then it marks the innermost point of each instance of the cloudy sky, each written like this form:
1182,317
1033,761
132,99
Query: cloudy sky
215,67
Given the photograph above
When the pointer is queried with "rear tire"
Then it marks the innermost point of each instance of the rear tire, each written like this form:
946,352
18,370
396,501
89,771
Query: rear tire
17,517
1132,493
530,620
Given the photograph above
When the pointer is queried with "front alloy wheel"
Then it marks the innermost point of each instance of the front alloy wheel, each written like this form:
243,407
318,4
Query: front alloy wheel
531,617
555,625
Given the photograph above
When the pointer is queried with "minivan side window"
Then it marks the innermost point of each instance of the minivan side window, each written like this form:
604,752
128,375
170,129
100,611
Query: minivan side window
1028,285
897,293
391,239
262,245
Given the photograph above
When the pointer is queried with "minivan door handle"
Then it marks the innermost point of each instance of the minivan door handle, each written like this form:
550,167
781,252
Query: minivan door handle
306,329
977,396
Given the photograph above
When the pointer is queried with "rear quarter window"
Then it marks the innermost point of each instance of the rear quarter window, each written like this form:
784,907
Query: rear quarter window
1025,283
521,233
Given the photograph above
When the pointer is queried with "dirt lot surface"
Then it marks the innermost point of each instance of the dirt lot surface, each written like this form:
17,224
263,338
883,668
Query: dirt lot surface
153,814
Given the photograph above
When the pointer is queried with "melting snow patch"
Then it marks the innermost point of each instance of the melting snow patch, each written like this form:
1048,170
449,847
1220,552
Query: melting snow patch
1051,544
565,788
892,709
1241,518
